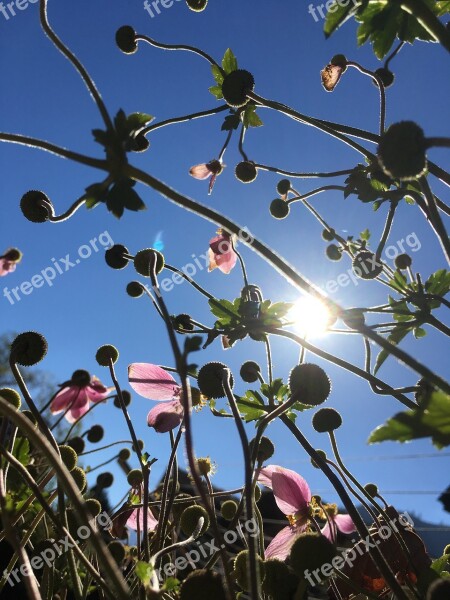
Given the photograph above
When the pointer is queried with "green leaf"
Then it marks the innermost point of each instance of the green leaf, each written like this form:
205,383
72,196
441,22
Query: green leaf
253,412
419,332
229,62
250,118
396,336
121,196
170,584
144,572
231,122
21,451
336,16
441,564
365,235
217,74
216,91
222,309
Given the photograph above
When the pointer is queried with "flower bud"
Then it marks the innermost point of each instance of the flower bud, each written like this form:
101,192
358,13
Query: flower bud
29,348
265,449
229,509
333,252
202,585
246,171
278,582
13,255
402,151
326,420
242,569
249,371
106,354
210,380
309,384
279,209
179,507
439,590
366,265
69,457
144,260
105,480
311,551
80,378
135,477
322,454
197,5
95,434
371,489
77,444
93,506
135,289
403,261
126,397
339,60
353,318
11,396
79,477
328,235
124,454
32,206
205,466
126,39
235,87
283,187
387,77
190,518
140,143
115,256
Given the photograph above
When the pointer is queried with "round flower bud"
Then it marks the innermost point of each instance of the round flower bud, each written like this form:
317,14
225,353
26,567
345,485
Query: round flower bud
265,449
135,289
105,354
68,456
29,348
143,262
249,371
339,60
93,506
95,434
309,384
326,420
246,171
205,466
279,209
79,477
13,255
235,87
126,396
328,236
371,489
124,454
190,518
242,568
135,477
197,5
179,507
229,509
126,39
80,378
366,265
11,396
283,187
140,143
387,77
322,454
105,480
311,551
403,261
77,444
115,258
353,318
32,208
182,323
210,380
117,550
202,585
401,151
278,582
333,252
439,590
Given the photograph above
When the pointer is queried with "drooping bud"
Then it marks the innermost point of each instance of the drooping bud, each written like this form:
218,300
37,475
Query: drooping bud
279,208
28,348
210,380
95,434
246,171
106,354
126,39
309,384
145,259
235,87
326,420
115,256
33,206
190,518
402,151
250,371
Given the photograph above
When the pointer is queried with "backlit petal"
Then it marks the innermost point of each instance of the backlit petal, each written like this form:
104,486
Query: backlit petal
292,493
165,416
152,382
281,544
200,171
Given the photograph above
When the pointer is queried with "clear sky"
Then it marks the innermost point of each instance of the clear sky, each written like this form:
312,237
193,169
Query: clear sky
284,47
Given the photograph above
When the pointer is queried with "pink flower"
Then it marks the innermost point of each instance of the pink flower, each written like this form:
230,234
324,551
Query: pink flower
343,523
9,261
207,170
221,253
293,497
76,395
127,516
154,383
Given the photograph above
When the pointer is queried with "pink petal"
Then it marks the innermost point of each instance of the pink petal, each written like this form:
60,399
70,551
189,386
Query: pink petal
97,391
152,382
292,493
63,399
326,532
212,181
220,244
132,522
282,543
344,523
165,417
200,171
6,266
79,407
265,475
226,262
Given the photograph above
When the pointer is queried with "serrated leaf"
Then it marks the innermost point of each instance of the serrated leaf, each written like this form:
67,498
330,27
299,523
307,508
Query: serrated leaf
250,118
144,572
396,336
365,235
193,343
230,123
229,62
216,91
336,16
223,310
217,74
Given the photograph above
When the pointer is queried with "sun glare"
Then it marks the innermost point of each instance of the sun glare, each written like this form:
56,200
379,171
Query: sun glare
310,317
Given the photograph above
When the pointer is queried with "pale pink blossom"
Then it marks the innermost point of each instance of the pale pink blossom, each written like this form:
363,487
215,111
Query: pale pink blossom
221,253
76,395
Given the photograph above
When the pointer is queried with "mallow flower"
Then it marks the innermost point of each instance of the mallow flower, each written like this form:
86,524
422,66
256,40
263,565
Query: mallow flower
209,171
76,395
155,383
221,253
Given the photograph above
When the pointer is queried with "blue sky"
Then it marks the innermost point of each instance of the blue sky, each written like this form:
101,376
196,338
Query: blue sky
284,48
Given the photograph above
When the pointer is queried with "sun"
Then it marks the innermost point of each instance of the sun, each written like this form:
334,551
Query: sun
310,317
